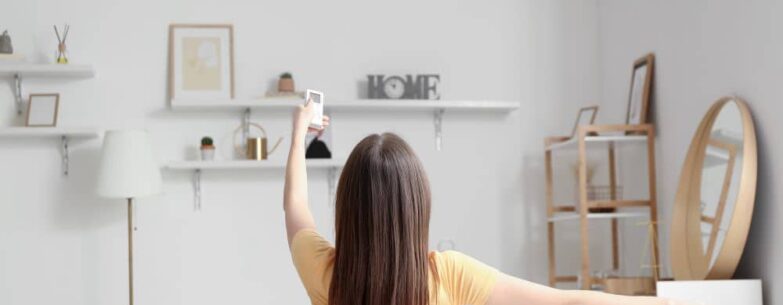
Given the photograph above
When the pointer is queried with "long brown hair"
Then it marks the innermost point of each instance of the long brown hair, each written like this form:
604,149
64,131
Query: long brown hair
382,218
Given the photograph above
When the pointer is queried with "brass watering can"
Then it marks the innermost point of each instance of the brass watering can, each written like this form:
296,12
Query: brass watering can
256,147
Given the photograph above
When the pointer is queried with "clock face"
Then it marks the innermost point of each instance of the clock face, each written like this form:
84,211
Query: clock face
394,87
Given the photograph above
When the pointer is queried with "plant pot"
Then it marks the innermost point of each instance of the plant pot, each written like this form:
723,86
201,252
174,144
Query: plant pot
285,85
207,153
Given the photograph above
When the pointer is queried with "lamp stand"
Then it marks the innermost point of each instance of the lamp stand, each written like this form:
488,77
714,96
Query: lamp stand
130,250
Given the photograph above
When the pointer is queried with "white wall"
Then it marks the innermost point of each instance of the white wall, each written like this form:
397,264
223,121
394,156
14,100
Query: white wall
704,49
62,244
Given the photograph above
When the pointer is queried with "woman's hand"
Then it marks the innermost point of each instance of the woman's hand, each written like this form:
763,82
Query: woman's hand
303,114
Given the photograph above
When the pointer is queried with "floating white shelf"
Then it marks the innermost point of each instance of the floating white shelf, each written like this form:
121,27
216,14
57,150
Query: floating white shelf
276,104
46,70
64,134
49,132
330,165
598,140
247,164
575,216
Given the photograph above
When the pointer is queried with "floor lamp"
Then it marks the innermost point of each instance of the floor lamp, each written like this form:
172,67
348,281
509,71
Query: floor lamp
128,171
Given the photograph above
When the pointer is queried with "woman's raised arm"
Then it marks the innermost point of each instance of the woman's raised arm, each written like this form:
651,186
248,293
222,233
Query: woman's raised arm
511,291
297,210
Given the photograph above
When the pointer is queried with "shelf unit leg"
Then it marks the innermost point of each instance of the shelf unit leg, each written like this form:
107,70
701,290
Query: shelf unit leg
18,94
653,201
197,190
613,196
438,119
583,210
65,155
549,213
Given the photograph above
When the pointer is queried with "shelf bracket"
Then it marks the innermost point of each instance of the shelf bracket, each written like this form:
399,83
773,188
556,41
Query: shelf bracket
65,156
332,184
438,119
197,190
245,126
18,94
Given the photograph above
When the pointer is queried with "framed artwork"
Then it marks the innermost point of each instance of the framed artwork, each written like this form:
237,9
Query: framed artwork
201,62
586,116
639,95
42,110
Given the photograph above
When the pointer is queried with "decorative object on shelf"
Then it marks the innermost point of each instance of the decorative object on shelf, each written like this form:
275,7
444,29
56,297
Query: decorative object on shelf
641,90
318,145
285,83
207,149
201,61
62,56
128,171
422,86
256,148
586,116
5,44
42,110
713,207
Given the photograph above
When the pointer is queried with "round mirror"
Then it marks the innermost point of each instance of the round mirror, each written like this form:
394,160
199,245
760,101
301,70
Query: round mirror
714,201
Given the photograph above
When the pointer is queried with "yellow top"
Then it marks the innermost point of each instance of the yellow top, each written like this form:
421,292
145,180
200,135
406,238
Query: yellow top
463,280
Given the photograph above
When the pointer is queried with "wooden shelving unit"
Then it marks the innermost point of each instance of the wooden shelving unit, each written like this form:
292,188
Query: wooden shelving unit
589,137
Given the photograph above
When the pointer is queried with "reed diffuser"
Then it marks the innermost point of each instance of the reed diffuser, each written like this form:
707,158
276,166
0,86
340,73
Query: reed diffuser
62,57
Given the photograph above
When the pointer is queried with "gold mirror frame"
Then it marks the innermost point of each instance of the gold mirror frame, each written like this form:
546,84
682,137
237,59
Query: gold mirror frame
689,261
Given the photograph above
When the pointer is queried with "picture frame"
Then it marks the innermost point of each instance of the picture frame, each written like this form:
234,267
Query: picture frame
42,110
637,112
201,62
586,116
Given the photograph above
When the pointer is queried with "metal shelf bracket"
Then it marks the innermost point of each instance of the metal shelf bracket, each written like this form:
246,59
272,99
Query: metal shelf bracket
245,126
197,190
332,178
438,119
18,94
65,155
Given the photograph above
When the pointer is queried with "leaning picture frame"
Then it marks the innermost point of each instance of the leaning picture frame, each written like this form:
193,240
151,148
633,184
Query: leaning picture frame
42,110
586,116
201,63
640,91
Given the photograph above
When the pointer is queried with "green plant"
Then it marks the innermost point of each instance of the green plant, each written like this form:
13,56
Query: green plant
206,141
286,75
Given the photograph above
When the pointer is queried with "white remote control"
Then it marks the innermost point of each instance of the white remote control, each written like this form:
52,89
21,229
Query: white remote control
317,98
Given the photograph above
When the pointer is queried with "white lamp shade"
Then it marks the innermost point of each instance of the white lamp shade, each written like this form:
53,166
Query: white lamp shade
127,168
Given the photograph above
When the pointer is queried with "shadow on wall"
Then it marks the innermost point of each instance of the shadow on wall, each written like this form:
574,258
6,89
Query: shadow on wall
754,262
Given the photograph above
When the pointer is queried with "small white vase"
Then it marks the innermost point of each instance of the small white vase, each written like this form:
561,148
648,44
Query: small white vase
207,154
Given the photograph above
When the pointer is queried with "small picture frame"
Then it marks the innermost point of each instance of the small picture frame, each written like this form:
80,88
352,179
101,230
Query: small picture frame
586,116
42,110
201,62
640,91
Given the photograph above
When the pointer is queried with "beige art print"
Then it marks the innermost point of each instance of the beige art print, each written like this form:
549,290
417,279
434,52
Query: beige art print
201,63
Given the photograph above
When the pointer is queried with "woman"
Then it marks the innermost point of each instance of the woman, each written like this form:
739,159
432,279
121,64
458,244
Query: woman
381,255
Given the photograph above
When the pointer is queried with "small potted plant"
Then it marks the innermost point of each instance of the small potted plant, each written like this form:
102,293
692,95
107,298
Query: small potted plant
207,149
286,83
